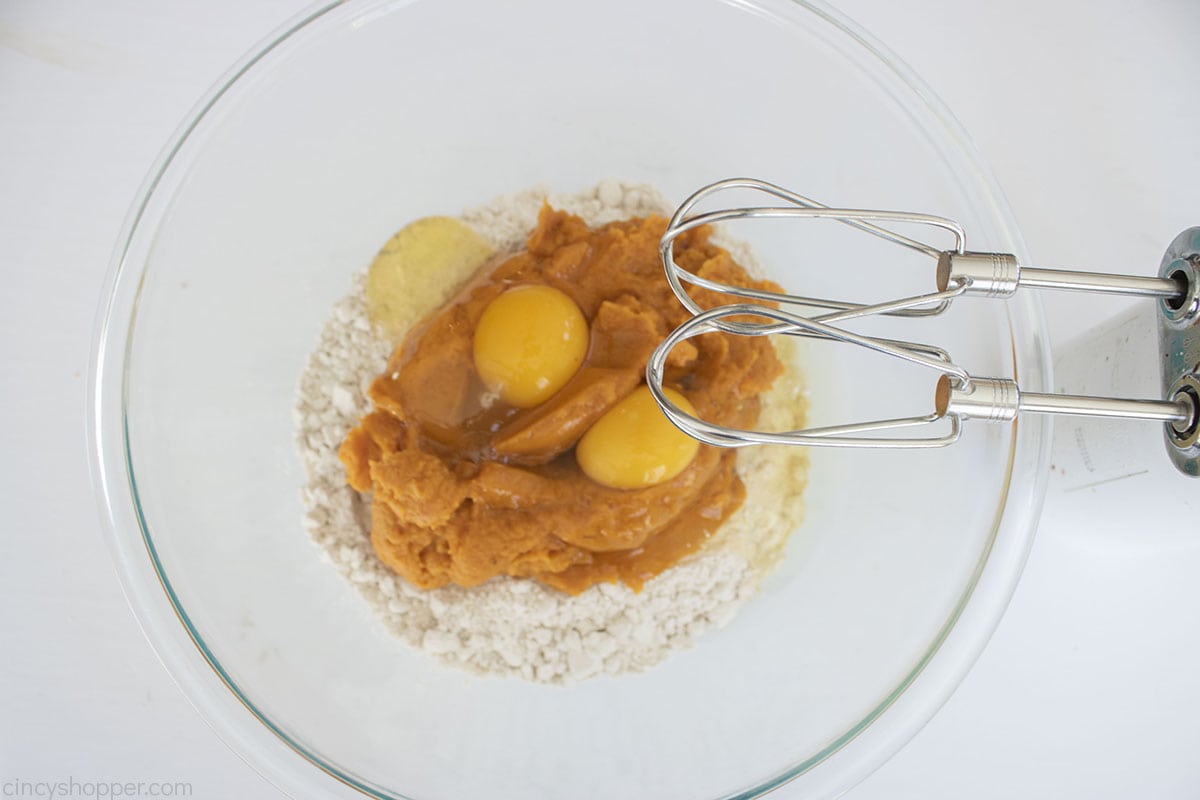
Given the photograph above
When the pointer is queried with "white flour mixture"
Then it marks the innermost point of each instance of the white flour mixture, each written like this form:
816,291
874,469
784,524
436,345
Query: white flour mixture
519,627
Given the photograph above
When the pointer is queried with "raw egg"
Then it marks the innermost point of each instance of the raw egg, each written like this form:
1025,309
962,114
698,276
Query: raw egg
427,253
528,343
634,445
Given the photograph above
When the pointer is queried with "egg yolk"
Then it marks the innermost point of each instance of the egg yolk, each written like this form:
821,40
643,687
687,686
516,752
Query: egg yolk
634,445
528,343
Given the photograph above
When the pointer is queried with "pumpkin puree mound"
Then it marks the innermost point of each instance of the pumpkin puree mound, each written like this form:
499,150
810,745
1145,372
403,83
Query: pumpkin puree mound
465,488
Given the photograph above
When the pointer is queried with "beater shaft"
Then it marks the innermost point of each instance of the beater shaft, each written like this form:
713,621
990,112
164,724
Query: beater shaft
1101,283
999,399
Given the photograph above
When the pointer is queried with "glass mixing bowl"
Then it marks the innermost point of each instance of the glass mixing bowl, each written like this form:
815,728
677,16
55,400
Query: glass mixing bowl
361,116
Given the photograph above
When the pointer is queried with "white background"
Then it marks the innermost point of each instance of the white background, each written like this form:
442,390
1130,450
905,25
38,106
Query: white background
1089,113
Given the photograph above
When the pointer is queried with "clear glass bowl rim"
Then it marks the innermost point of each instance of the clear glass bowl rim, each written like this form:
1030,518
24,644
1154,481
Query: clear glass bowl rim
287,764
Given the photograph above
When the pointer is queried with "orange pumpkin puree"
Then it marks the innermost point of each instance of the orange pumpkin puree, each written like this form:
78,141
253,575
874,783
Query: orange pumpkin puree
465,488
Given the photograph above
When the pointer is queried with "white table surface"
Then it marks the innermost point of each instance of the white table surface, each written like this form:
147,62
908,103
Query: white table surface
1089,113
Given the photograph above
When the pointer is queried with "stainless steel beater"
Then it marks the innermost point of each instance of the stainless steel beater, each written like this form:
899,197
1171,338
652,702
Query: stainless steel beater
959,396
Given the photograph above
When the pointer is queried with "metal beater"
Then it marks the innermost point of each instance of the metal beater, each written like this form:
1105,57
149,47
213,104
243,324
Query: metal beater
959,395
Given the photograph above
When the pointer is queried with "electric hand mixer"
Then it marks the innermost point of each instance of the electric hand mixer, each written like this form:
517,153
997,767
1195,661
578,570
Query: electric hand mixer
959,396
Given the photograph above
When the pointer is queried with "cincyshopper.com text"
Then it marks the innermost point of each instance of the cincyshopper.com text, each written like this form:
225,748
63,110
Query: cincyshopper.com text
74,789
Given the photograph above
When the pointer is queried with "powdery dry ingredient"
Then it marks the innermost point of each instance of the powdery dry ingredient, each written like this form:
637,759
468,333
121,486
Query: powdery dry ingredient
514,627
